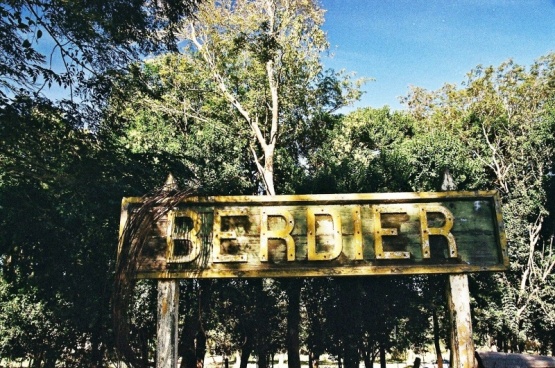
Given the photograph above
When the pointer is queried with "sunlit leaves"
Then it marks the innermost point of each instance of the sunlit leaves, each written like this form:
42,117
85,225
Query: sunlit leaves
75,44
501,133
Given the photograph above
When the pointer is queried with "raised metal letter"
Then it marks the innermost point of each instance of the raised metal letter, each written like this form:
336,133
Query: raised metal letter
426,231
229,235
334,230
174,233
379,232
283,234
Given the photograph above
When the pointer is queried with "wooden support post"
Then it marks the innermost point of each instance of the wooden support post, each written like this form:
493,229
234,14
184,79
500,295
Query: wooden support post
458,299
168,307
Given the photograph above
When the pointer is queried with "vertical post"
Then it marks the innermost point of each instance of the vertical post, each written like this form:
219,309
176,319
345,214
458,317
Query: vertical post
166,344
458,299
168,310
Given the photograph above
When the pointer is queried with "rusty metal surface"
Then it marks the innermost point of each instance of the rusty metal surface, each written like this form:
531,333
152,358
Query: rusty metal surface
325,235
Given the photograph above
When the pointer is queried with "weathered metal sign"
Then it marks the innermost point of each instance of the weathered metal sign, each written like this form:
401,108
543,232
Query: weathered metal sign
325,235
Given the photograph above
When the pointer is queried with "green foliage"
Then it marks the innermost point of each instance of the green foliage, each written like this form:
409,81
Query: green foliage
29,328
172,118
247,93
264,61
497,132
352,318
60,196
249,316
359,154
51,234
61,184
426,157
73,44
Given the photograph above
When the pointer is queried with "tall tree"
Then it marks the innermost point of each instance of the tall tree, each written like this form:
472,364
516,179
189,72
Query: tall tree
167,107
264,59
503,116
360,153
55,232
368,151
60,186
252,69
78,47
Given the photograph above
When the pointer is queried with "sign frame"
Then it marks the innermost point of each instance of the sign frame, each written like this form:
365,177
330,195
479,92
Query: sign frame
392,263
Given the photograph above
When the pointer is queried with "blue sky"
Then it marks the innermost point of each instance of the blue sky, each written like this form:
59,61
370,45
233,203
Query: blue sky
429,43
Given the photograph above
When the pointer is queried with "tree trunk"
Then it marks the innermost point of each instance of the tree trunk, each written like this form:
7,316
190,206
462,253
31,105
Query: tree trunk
368,361
245,354
49,363
36,362
500,341
350,348
436,338
268,175
50,359
200,351
293,321
262,359
187,345
382,357
98,349
313,360
193,338
416,363
351,356
144,349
